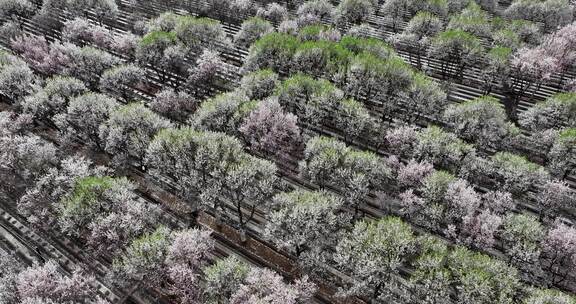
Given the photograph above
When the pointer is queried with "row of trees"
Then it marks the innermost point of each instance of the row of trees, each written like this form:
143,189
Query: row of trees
481,120
114,80
264,113
211,117
179,262
185,138
107,216
129,74
45,283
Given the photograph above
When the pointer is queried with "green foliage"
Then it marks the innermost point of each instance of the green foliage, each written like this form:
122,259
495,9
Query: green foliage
372,46
223,278
435,186
482,279
157,37
472,19
500,53
321,58
515,162
567,134
311,32
549,296
386,243
87,191
274,50
441,147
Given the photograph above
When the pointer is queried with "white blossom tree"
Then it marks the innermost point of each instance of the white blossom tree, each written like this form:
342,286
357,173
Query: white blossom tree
53,98
305,221
11,267
372,254
223,279
481,120
251,30
128,131
16,78
562,154
331,163
83,118
553,296
353,11
39,202
120,81
88,64
554,197
521,237
259,85
105,212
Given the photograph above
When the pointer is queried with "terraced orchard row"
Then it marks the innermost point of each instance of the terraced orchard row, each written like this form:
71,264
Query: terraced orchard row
361,151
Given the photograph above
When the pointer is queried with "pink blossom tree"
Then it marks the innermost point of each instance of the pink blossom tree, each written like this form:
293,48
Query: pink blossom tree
47,283
79,31
413,173
561,45
271,130
205,73
531,67
126,44
174,104
554,197
47,58
265,286
479,230
188,253
559,252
